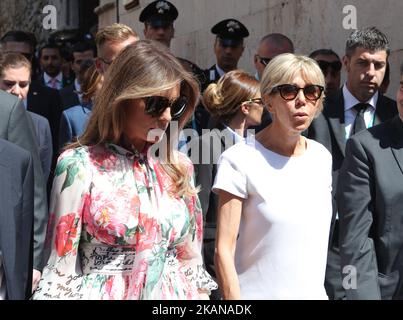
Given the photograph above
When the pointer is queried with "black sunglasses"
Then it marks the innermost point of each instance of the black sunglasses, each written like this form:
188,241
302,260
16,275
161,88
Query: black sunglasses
324,65
289,91
156,105
264,61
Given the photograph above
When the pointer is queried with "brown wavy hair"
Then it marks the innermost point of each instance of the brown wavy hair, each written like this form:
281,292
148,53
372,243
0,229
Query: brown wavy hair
142,69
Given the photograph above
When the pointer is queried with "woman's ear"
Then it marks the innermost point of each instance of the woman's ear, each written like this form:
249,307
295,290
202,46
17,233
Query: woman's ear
267,103
245,108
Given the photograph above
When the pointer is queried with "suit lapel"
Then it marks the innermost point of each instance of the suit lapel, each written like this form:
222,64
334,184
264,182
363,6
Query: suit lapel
335,114
384,111
397,138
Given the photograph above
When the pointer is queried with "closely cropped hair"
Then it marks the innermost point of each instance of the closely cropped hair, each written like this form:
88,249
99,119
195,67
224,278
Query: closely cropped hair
114,32
14,61
143,69
401,69
324,52
285,67
223,99
369,38
90,78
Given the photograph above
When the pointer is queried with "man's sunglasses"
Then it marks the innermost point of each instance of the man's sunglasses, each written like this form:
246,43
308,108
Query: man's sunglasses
324,65
289,91
264,61
156,105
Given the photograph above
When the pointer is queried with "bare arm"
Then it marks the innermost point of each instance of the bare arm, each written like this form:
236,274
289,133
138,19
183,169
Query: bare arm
229,216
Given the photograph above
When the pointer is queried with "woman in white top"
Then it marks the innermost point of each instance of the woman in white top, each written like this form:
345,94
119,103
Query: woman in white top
234,104
274,191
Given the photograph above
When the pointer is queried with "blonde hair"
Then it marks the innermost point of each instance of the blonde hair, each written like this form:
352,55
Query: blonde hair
143,69
223,99
13,61
285,67
114,32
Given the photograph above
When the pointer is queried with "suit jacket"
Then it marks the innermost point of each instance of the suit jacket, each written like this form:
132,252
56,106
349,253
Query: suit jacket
66,81
211,76
73,123
370,203
44,139
16,128
16,219
69,97
209,148
329,130
46,102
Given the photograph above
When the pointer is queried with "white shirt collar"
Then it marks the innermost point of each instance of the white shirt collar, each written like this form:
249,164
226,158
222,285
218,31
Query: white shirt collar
47,78
350,101
220,71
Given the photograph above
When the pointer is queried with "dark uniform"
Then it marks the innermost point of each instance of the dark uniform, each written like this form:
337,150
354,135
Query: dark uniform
162,14
230,33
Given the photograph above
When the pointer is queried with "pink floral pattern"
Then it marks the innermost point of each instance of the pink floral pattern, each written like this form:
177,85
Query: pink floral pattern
118,234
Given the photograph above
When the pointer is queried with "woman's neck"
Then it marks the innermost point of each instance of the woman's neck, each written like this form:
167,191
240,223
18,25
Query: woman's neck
238,124
282,141
129,144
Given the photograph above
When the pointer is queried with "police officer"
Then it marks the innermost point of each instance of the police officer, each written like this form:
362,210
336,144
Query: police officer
228,48
158,18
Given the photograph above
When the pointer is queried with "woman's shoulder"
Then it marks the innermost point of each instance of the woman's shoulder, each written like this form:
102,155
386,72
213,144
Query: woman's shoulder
75,155
318,149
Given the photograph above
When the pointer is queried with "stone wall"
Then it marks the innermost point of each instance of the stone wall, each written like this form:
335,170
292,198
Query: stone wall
311,24
22,15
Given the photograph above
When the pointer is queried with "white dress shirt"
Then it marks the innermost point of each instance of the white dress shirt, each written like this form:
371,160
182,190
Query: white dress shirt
59,80
349,113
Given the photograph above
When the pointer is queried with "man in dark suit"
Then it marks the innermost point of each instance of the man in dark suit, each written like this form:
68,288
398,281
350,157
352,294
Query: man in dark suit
15,127
41,99
16,221
50,59
71,95
370,203
356,106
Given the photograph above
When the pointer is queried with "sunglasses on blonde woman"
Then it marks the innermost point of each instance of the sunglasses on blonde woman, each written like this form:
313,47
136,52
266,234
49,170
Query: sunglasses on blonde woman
156,105
289,91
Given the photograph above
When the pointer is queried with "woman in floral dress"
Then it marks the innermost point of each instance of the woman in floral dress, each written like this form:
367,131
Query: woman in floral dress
125,221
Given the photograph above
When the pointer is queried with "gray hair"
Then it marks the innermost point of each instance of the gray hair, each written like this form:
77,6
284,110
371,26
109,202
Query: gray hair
369,38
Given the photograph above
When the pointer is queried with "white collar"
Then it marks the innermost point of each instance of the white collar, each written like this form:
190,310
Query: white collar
47,78
350,101
220,71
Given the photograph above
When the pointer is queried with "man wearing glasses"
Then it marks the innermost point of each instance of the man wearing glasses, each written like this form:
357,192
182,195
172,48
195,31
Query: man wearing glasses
270,46
41,99
330,64
110,41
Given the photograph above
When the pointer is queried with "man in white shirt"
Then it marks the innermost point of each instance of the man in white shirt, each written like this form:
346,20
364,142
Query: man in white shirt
50,59
355,107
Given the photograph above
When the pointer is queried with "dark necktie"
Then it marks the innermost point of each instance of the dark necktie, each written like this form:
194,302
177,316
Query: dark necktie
359,122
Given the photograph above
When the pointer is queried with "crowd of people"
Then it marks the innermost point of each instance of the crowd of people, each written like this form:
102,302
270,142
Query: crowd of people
289,187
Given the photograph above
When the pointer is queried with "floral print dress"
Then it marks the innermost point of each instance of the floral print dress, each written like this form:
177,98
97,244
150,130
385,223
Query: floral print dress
116,233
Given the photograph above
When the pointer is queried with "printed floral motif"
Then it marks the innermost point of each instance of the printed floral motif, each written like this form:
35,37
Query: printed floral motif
66,232
119,233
